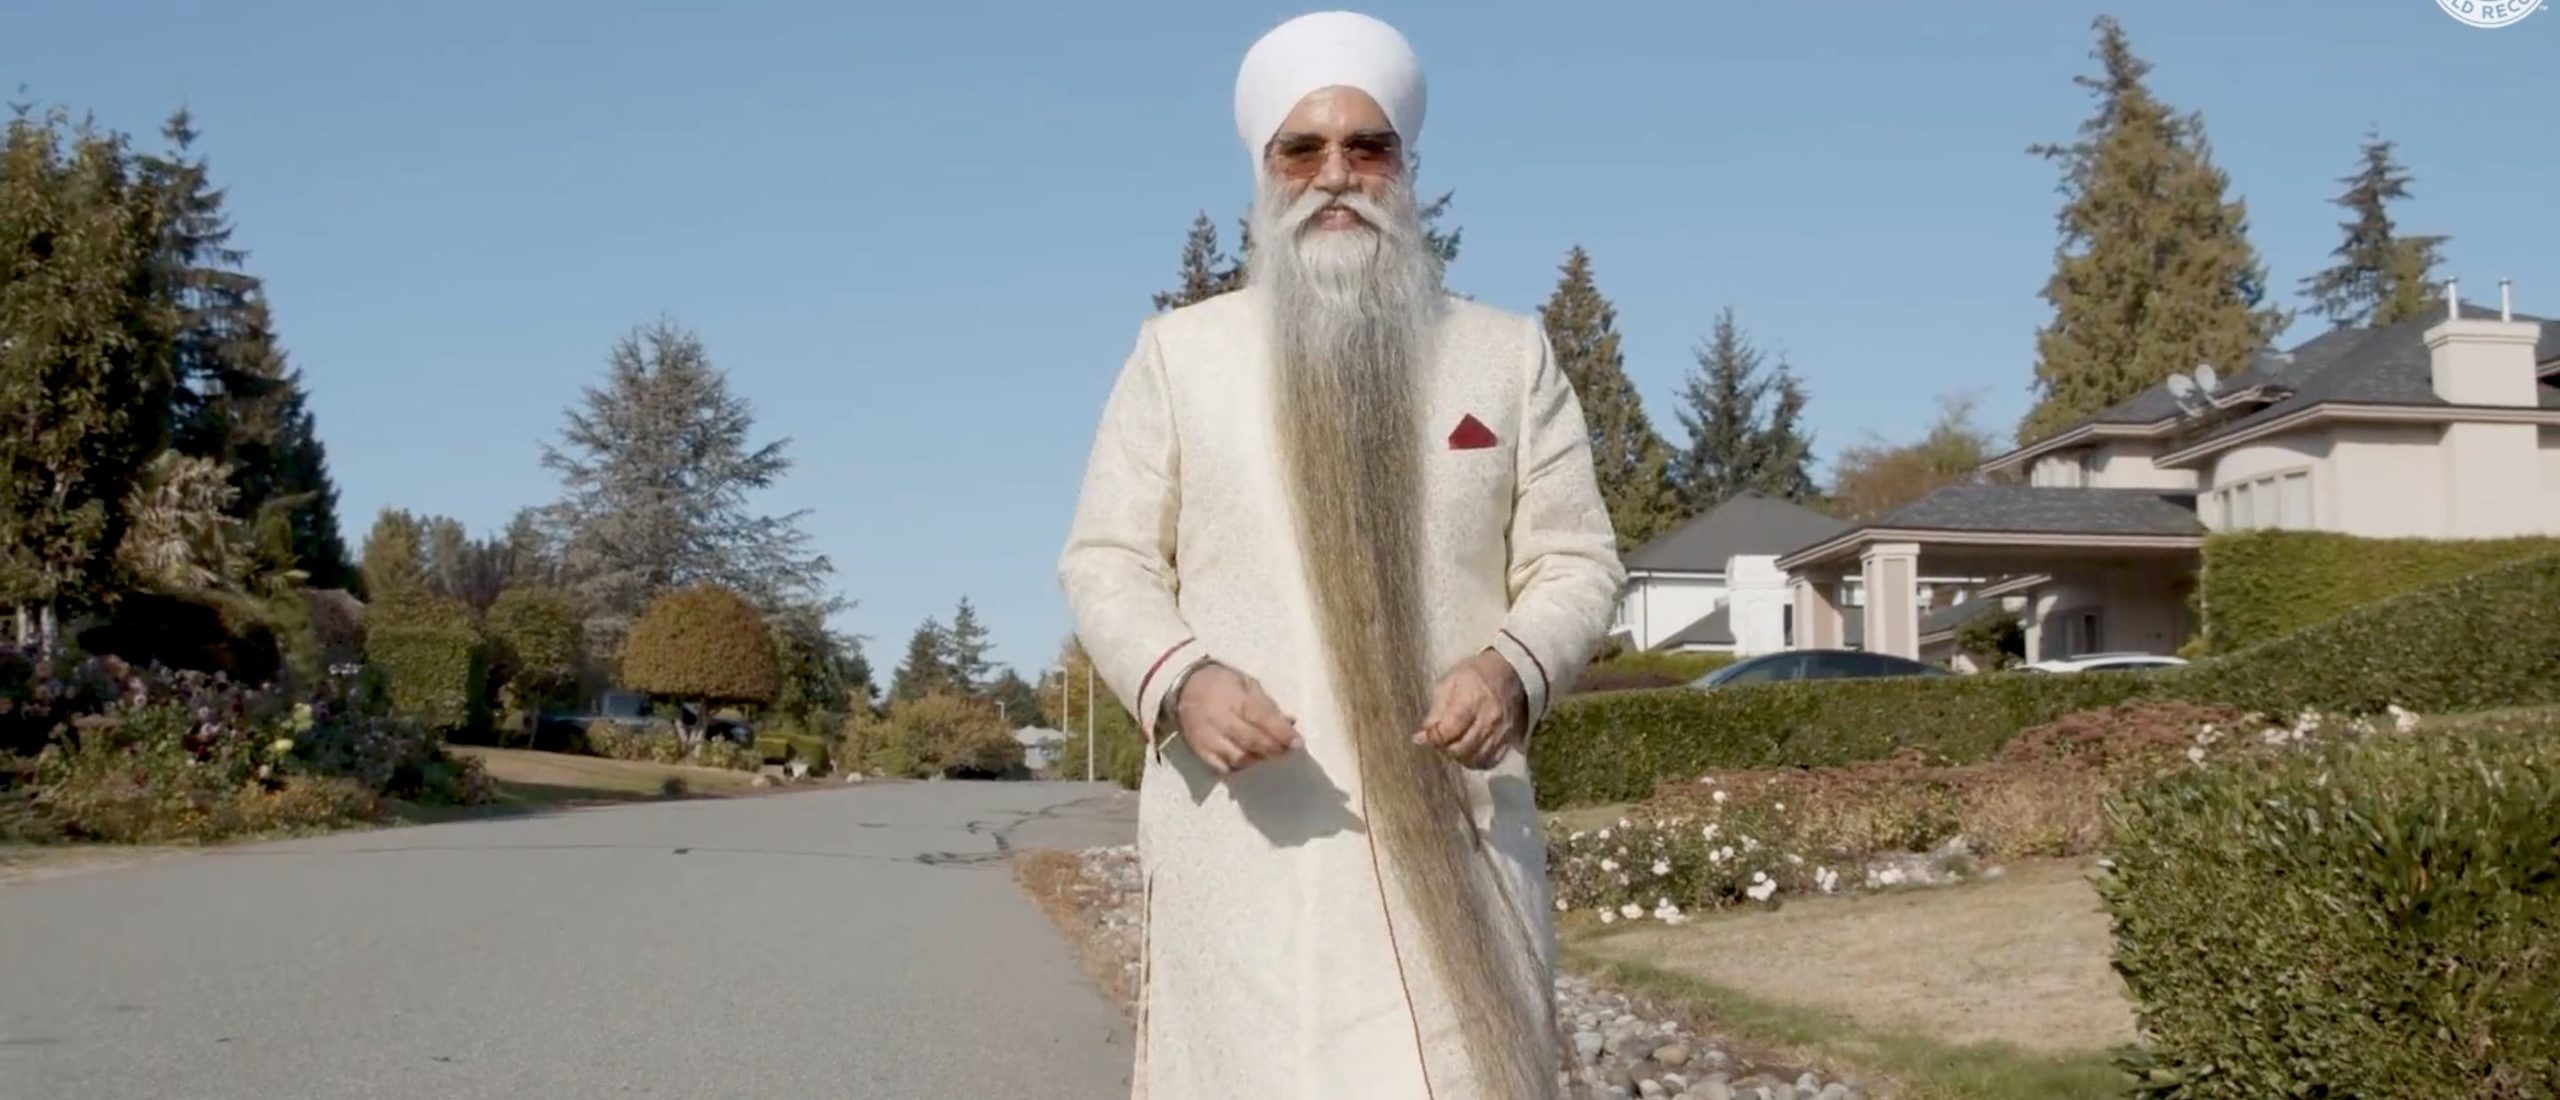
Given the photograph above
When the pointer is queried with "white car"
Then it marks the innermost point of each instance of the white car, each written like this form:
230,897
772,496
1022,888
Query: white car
2106,662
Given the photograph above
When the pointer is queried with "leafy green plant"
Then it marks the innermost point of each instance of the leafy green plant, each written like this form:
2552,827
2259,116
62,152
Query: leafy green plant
703,643
2257,586
2375,918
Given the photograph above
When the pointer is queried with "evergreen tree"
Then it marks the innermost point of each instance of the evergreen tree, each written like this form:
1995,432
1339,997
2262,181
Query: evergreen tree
1785,470
1206,271
237,401
1632,462
655,470
2154,273
964,650
86,375
927,669
2381,277
1733,446
1017,700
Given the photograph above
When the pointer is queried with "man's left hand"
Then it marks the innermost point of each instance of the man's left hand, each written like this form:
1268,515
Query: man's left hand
1477,711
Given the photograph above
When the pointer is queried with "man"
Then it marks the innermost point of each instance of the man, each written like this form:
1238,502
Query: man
1339,548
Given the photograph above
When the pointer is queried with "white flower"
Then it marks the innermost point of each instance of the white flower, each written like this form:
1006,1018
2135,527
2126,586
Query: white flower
1623,823
1560,905
1608,916
1631,910
1604,834
1759,876
2195,753
1713,829
1892,876
1794,860
1762,891
1826,879
2402,719
1720,798
1609,865
1577,835
1782,807
1661,866
1750,844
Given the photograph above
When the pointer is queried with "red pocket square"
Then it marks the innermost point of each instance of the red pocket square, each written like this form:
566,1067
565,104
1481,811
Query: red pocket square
1470,435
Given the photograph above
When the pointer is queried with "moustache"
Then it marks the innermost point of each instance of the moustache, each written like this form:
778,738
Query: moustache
1313,203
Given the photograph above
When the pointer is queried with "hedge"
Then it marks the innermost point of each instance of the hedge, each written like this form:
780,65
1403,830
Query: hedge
2486,641
2261,585
2376,919
436,674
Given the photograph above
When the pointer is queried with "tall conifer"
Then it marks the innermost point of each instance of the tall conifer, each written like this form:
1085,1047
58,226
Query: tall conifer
2381,277
2154,273
1630,458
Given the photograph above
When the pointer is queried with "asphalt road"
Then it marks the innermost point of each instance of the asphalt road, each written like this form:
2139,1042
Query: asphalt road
863,942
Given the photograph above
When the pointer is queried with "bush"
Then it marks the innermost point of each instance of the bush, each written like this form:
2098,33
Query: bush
203,632
1616,747
140,755
703,643
936,734
537,645
435,674
2489,640
2261,585
2373,919
1675,668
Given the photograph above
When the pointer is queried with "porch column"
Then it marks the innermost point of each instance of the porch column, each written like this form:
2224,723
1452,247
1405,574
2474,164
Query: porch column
1893,598
1817,613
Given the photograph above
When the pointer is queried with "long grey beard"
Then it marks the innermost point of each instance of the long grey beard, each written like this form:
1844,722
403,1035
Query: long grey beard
1354,318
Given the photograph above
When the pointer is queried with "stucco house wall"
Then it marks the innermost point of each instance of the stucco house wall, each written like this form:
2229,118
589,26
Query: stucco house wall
1656,606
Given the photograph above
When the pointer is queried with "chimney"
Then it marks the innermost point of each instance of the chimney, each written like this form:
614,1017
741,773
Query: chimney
2476,361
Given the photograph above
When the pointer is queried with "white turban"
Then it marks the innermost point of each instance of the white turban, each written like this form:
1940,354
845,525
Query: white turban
1323,50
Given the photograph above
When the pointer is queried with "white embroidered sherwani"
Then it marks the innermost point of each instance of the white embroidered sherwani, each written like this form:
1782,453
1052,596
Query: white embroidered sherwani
1271,969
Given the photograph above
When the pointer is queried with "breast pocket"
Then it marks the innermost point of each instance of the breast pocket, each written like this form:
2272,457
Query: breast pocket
1473,466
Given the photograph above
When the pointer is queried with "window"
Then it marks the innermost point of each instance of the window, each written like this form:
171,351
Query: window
2275,500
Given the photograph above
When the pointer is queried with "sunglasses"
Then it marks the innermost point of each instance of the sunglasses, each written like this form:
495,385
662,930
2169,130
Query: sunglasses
1368,152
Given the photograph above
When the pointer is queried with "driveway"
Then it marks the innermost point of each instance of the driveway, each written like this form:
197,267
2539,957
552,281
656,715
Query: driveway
860,942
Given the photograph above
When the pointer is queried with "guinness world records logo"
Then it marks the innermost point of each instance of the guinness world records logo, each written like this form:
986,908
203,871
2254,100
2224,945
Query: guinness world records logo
2490,14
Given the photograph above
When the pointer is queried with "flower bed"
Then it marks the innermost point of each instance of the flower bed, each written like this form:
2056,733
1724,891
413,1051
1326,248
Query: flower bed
1744,836
147,755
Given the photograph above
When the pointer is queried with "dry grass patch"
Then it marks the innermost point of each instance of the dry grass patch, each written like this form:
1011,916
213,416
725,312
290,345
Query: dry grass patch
2021,960
526,777
1056,880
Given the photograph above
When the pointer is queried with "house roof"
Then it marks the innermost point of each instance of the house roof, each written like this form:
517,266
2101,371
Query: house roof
1715,629
2369,366
2049,510
1750,523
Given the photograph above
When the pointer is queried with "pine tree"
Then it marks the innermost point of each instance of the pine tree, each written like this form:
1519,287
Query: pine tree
1630,459
2154,273
1785,468
927,669
1018,702
237,401
655,471
1728,449
1206,271
2381,277
964,650
86,374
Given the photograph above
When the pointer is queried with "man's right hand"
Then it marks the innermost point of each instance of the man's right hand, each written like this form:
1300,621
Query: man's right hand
1229,722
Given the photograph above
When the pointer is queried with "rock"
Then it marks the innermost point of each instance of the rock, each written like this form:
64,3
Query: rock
1587,1044
762,780
1808,1083
1619,1078
1675,1082
1711,1090
1672,1054
1837,1091
1781,1092
1651,1090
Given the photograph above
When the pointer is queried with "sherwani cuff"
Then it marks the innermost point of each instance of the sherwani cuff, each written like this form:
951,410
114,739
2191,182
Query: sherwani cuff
1155,696
1535,682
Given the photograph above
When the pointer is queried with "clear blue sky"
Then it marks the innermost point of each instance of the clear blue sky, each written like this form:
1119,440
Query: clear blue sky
919,237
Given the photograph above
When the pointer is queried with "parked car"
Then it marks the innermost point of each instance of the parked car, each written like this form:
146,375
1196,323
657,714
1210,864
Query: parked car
2104,662
1814,664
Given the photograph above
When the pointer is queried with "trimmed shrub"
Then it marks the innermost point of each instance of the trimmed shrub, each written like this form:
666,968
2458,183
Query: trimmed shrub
2261,585
2371,919
1674,668
435,674
537,642
2490,640
703,643
203,632
1615,747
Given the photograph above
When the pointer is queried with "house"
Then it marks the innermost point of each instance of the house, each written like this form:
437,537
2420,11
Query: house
1040,746
2438,427
1712,584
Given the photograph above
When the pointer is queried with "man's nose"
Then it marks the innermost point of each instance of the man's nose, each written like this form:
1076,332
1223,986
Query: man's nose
1333,174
